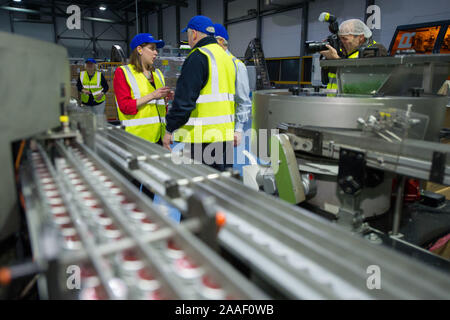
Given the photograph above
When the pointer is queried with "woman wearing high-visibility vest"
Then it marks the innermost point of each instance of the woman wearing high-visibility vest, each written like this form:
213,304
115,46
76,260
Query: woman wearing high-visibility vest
140,91
92,87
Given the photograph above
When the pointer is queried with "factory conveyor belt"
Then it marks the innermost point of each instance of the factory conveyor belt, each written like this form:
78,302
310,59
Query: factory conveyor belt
82,214
298,253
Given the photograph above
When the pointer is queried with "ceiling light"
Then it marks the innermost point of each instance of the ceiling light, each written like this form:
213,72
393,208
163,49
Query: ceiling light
17,0
102,7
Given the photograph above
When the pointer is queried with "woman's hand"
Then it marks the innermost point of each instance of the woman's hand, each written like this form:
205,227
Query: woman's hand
160,93
155,95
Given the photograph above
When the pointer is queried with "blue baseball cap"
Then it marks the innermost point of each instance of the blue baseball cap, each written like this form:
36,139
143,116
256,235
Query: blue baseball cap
202,24
220,31
90,60
145,38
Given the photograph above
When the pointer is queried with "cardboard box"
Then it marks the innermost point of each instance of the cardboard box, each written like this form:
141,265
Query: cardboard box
111,112
447,118
75,70
74,92
435,187
438,188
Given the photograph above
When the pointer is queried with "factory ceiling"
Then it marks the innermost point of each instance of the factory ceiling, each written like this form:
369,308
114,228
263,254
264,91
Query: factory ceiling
117,6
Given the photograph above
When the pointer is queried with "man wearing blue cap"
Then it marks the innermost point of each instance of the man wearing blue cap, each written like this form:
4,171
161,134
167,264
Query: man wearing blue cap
92,86
202,112
242,97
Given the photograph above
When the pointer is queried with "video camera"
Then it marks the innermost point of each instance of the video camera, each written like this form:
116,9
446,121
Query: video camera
332,39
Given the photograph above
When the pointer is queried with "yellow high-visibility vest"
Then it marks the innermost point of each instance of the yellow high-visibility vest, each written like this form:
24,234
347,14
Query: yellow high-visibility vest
212,120
94,85
149,122
236,61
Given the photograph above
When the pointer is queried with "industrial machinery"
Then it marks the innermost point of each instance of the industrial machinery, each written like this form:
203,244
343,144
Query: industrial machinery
24,117
81,207
117,54
254,55
381,126
95,236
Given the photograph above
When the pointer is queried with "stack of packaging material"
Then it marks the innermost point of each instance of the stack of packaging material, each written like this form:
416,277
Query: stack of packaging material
75,70
171,69
108,69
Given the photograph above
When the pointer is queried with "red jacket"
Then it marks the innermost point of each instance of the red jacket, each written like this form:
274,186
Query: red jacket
123,93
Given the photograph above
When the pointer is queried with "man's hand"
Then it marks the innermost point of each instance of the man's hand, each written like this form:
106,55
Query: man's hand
331,53
86,91
170,95
237,138
99,96
167,140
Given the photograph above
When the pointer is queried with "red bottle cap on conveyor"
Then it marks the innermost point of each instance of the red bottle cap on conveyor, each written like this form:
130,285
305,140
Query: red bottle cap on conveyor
155,295
129,255
93,293
187,269
145,274
210,283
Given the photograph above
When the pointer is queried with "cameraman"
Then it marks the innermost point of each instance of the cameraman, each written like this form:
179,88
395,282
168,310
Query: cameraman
354,36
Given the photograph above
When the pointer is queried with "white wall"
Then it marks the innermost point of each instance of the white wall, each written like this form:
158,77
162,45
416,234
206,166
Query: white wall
169,16
169,26
186,14
239,8
240,35
214,9
281,34
153,24
4,21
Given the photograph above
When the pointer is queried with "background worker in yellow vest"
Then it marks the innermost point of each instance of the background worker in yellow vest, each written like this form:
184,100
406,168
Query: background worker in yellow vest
92,87
354,36
202,112
141,91
242,98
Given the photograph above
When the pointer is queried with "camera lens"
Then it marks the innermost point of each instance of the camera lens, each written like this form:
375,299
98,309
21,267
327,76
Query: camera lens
316,46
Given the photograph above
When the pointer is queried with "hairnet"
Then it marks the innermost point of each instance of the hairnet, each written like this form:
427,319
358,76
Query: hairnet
354,27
